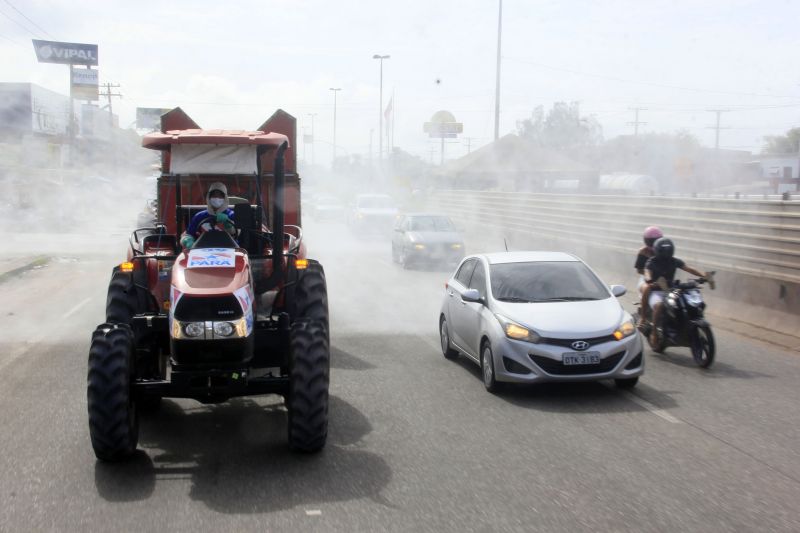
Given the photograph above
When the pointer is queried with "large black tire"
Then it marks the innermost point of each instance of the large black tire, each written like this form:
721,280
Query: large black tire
703,347
121,302
309,362
311,294
113,419
309,377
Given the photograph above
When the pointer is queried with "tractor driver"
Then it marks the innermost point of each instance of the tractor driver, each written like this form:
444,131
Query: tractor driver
217,201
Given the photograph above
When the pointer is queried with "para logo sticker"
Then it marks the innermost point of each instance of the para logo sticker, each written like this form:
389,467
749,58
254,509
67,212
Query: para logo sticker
212,258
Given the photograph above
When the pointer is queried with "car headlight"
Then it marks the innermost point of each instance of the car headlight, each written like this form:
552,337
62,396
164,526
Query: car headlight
626,329
360,215
456,246
419,246
223,329
194,329
516,331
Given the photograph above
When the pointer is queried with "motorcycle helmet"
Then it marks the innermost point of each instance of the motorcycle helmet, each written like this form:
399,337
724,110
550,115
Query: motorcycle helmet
664,248
651,235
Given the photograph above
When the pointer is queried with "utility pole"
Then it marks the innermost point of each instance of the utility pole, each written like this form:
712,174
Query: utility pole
108,94
497,83
469,144
636,121
380,112
335,90
313,139
719,112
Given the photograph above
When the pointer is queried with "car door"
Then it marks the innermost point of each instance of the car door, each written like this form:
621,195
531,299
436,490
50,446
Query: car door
456,306
471,313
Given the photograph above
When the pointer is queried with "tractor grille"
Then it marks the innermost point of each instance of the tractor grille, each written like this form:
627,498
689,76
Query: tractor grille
551,366
202,308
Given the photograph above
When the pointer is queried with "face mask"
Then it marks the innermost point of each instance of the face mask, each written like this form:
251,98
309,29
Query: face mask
216,203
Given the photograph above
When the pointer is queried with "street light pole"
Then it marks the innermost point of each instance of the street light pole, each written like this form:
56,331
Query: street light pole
497,83
335,90
380,112
313,139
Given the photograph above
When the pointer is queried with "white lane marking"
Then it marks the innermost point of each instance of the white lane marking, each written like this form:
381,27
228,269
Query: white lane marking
77,307
313,512
650,407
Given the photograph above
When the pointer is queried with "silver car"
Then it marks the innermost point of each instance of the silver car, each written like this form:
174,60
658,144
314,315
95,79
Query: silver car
533,317
426,238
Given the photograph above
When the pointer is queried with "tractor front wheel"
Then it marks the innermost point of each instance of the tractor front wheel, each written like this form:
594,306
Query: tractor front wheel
309,362
113,420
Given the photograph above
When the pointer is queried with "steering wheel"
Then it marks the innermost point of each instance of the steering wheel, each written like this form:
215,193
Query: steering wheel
212,220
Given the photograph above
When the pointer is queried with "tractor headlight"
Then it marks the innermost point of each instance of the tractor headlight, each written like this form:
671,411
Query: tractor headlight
516,331
223,329
194,329
626,329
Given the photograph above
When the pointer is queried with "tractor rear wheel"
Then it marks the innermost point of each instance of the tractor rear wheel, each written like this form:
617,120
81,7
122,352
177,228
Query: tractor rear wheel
113,419
309,363
121,301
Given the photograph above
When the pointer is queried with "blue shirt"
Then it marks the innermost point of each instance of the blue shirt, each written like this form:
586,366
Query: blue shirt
194,225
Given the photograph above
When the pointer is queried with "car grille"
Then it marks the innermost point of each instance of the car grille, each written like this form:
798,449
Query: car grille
557,368
567,343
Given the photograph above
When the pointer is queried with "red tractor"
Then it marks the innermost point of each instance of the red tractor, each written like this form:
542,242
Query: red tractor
240,313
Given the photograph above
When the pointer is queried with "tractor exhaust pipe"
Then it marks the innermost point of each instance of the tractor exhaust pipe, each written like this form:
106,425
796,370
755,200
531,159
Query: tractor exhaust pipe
277,208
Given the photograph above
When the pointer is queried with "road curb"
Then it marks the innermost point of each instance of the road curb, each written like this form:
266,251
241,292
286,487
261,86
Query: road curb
36,262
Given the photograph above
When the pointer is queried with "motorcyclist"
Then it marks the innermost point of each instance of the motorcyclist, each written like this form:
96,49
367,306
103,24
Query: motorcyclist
660,275
217,202
651,235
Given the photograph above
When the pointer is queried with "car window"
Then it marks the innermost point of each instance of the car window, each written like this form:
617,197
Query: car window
465,272
478,280
546,281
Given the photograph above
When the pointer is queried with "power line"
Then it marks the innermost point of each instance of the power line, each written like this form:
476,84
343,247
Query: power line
18,24
29,20
12,41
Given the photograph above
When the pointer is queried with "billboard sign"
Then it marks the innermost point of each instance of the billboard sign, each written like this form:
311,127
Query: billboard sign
443,125
84,84
65,53
149,118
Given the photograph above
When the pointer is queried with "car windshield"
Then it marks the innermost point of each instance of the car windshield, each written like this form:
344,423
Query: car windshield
431,223
546,281
375,202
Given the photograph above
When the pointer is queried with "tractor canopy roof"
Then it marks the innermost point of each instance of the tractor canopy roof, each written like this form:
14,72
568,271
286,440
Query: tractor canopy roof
196,151
163,141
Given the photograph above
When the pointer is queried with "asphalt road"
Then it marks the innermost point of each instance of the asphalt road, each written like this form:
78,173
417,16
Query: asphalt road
415,442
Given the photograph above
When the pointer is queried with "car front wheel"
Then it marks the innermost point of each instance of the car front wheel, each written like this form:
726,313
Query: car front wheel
487,368
444,336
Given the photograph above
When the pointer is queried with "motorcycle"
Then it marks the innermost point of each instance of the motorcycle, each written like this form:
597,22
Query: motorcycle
682,321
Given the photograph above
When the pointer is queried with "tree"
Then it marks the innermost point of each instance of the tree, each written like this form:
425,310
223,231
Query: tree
782,144
562,129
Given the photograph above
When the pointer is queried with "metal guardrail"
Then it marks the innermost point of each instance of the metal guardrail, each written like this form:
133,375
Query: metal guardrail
755,237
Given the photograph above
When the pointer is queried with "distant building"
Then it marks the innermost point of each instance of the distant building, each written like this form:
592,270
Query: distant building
512,163
782,171
28,109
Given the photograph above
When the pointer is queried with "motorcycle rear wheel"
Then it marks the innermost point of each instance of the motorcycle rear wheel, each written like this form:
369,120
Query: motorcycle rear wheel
703,347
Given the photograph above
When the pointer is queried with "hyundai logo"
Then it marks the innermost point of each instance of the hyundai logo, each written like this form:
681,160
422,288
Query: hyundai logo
580,345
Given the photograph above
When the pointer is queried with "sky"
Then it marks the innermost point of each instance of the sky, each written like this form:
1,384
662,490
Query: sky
231,64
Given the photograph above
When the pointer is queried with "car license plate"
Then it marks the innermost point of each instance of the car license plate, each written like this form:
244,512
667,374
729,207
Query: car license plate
581,358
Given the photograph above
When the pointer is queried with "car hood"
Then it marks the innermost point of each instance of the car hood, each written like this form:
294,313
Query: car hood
566,320
378,211
434,236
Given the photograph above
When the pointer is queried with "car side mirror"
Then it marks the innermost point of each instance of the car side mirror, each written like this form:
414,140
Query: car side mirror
472,295
618,290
